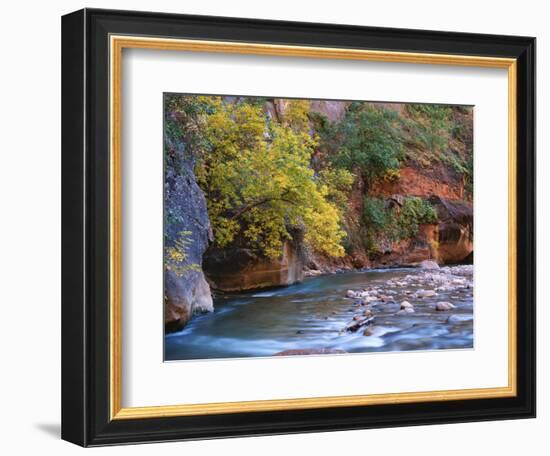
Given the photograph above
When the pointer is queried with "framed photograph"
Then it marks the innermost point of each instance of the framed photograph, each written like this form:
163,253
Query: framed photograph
269,227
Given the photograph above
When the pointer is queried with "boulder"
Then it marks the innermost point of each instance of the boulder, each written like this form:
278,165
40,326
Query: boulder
184,297
351,294
457,318
443,306
406,310
406,305
369,299
425,293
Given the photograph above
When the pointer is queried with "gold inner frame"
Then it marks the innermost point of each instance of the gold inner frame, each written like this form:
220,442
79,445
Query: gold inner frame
117,44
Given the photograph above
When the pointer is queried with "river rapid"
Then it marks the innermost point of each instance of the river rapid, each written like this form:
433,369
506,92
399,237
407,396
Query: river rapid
352,312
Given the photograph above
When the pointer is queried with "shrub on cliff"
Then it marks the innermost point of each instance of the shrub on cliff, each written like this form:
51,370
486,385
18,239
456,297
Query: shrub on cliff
391,222
414,212
371,141
176,255
432,126
440,133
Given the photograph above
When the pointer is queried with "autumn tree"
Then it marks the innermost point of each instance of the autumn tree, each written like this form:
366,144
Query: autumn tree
257,178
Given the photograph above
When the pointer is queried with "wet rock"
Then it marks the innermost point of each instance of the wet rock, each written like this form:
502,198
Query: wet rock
351,294
428,264
367,313
425,293
355,325
406,305
312,273
368,332
185,297
444,305
369,299
406,310
311,351
453,319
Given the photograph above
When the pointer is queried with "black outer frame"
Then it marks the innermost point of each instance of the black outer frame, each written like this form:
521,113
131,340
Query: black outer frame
85,227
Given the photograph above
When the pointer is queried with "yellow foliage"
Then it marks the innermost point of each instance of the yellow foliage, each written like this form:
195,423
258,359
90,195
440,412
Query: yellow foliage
257,179
392,175
296,115
175,256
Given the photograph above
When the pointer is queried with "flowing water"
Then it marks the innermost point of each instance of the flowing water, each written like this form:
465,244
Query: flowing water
314,314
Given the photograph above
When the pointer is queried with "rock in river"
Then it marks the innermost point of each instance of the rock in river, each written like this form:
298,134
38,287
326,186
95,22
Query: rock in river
454,319
425,293
356,324
443,305
369,299
406,305
428,264
351,294
406,310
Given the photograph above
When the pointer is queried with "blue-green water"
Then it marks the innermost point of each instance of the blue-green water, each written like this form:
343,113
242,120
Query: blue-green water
313,315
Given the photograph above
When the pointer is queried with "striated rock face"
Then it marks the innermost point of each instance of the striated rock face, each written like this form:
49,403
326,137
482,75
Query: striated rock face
454,234
239,269
185,288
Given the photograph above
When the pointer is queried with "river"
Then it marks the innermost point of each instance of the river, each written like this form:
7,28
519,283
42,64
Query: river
315,313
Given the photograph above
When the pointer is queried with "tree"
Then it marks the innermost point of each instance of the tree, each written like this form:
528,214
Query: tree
257,180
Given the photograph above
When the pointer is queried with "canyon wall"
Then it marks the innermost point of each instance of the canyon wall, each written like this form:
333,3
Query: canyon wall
186,222
240,269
